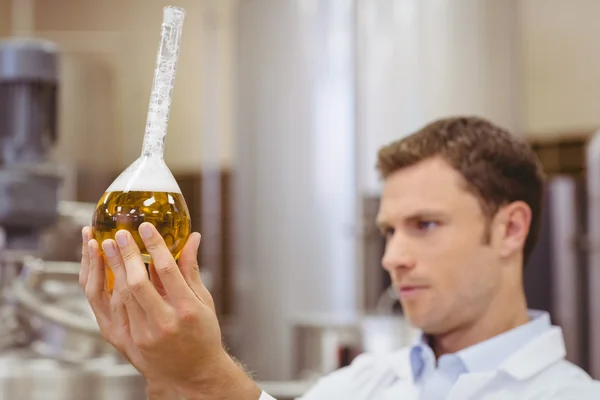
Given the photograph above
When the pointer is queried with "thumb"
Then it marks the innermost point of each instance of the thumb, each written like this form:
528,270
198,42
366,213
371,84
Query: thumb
188,262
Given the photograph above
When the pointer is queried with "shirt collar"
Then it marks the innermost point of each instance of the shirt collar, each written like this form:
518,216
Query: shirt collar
487,355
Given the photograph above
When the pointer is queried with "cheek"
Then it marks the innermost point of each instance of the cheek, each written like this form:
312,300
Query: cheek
445,249
453,260
469,276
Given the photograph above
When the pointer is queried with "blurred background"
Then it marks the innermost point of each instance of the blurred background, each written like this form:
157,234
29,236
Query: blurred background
279,108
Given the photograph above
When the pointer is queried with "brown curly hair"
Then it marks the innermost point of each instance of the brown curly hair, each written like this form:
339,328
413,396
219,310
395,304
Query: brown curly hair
498,167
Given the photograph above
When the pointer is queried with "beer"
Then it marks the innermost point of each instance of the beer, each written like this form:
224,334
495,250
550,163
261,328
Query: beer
146,190
167,211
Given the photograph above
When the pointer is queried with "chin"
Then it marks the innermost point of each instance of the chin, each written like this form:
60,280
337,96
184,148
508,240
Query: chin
415,319
422,320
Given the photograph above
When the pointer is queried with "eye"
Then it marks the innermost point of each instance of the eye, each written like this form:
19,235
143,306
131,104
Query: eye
426,226
387,232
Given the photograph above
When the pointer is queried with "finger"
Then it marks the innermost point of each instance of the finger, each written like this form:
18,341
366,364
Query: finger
123,330
165,265
85,257
188,262
124,304
94,289
118,314
137,279
154,278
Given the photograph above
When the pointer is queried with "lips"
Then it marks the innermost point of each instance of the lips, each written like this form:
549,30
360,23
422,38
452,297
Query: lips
410,291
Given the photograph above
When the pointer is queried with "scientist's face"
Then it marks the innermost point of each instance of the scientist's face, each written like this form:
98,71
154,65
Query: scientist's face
438,251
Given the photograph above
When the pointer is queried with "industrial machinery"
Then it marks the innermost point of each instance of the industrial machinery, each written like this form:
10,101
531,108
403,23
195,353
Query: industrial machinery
50,347
28,187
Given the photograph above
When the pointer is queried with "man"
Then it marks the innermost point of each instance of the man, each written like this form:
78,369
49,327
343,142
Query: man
460,210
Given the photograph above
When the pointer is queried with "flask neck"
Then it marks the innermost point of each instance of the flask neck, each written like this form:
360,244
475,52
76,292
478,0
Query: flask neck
153,145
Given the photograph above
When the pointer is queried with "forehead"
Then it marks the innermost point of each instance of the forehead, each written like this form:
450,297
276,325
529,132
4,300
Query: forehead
431,185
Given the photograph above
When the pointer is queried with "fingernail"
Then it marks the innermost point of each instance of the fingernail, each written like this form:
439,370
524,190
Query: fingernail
109,248
198,238
145,231
121,237
84,235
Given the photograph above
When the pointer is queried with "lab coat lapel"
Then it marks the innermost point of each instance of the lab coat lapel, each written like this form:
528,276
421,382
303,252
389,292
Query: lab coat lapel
532,358
469,385
537,355
404,388
401,390
399,362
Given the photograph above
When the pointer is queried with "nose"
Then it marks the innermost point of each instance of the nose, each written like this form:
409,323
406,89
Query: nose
398,254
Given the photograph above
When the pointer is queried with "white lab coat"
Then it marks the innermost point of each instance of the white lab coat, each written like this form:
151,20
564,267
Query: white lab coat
537,371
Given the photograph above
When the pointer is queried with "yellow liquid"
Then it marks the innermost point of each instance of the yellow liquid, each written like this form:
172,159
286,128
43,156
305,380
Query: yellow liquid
168,212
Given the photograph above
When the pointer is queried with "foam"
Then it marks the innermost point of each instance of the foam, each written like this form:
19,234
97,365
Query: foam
164,78
148,175
173,15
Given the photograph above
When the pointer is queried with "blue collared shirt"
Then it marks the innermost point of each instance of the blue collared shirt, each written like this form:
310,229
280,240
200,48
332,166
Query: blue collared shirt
435,383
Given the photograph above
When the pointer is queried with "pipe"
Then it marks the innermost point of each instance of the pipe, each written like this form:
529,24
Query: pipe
566,282
593,190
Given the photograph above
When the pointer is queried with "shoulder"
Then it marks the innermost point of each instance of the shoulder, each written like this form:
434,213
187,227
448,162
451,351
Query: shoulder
564,381
565,371
364,378
576,390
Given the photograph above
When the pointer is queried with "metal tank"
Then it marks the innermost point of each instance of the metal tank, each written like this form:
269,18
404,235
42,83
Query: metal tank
295,180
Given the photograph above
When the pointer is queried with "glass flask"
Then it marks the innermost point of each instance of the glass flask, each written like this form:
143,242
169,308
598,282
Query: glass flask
146,190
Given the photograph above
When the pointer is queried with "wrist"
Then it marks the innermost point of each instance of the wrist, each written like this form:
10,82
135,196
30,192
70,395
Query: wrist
222,379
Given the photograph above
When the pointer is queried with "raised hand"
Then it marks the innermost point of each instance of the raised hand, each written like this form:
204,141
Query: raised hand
165,325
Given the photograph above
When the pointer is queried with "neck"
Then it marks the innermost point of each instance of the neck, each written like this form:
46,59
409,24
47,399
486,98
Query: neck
502,314
154,144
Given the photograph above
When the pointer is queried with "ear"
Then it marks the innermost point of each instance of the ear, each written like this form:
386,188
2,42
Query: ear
515,221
